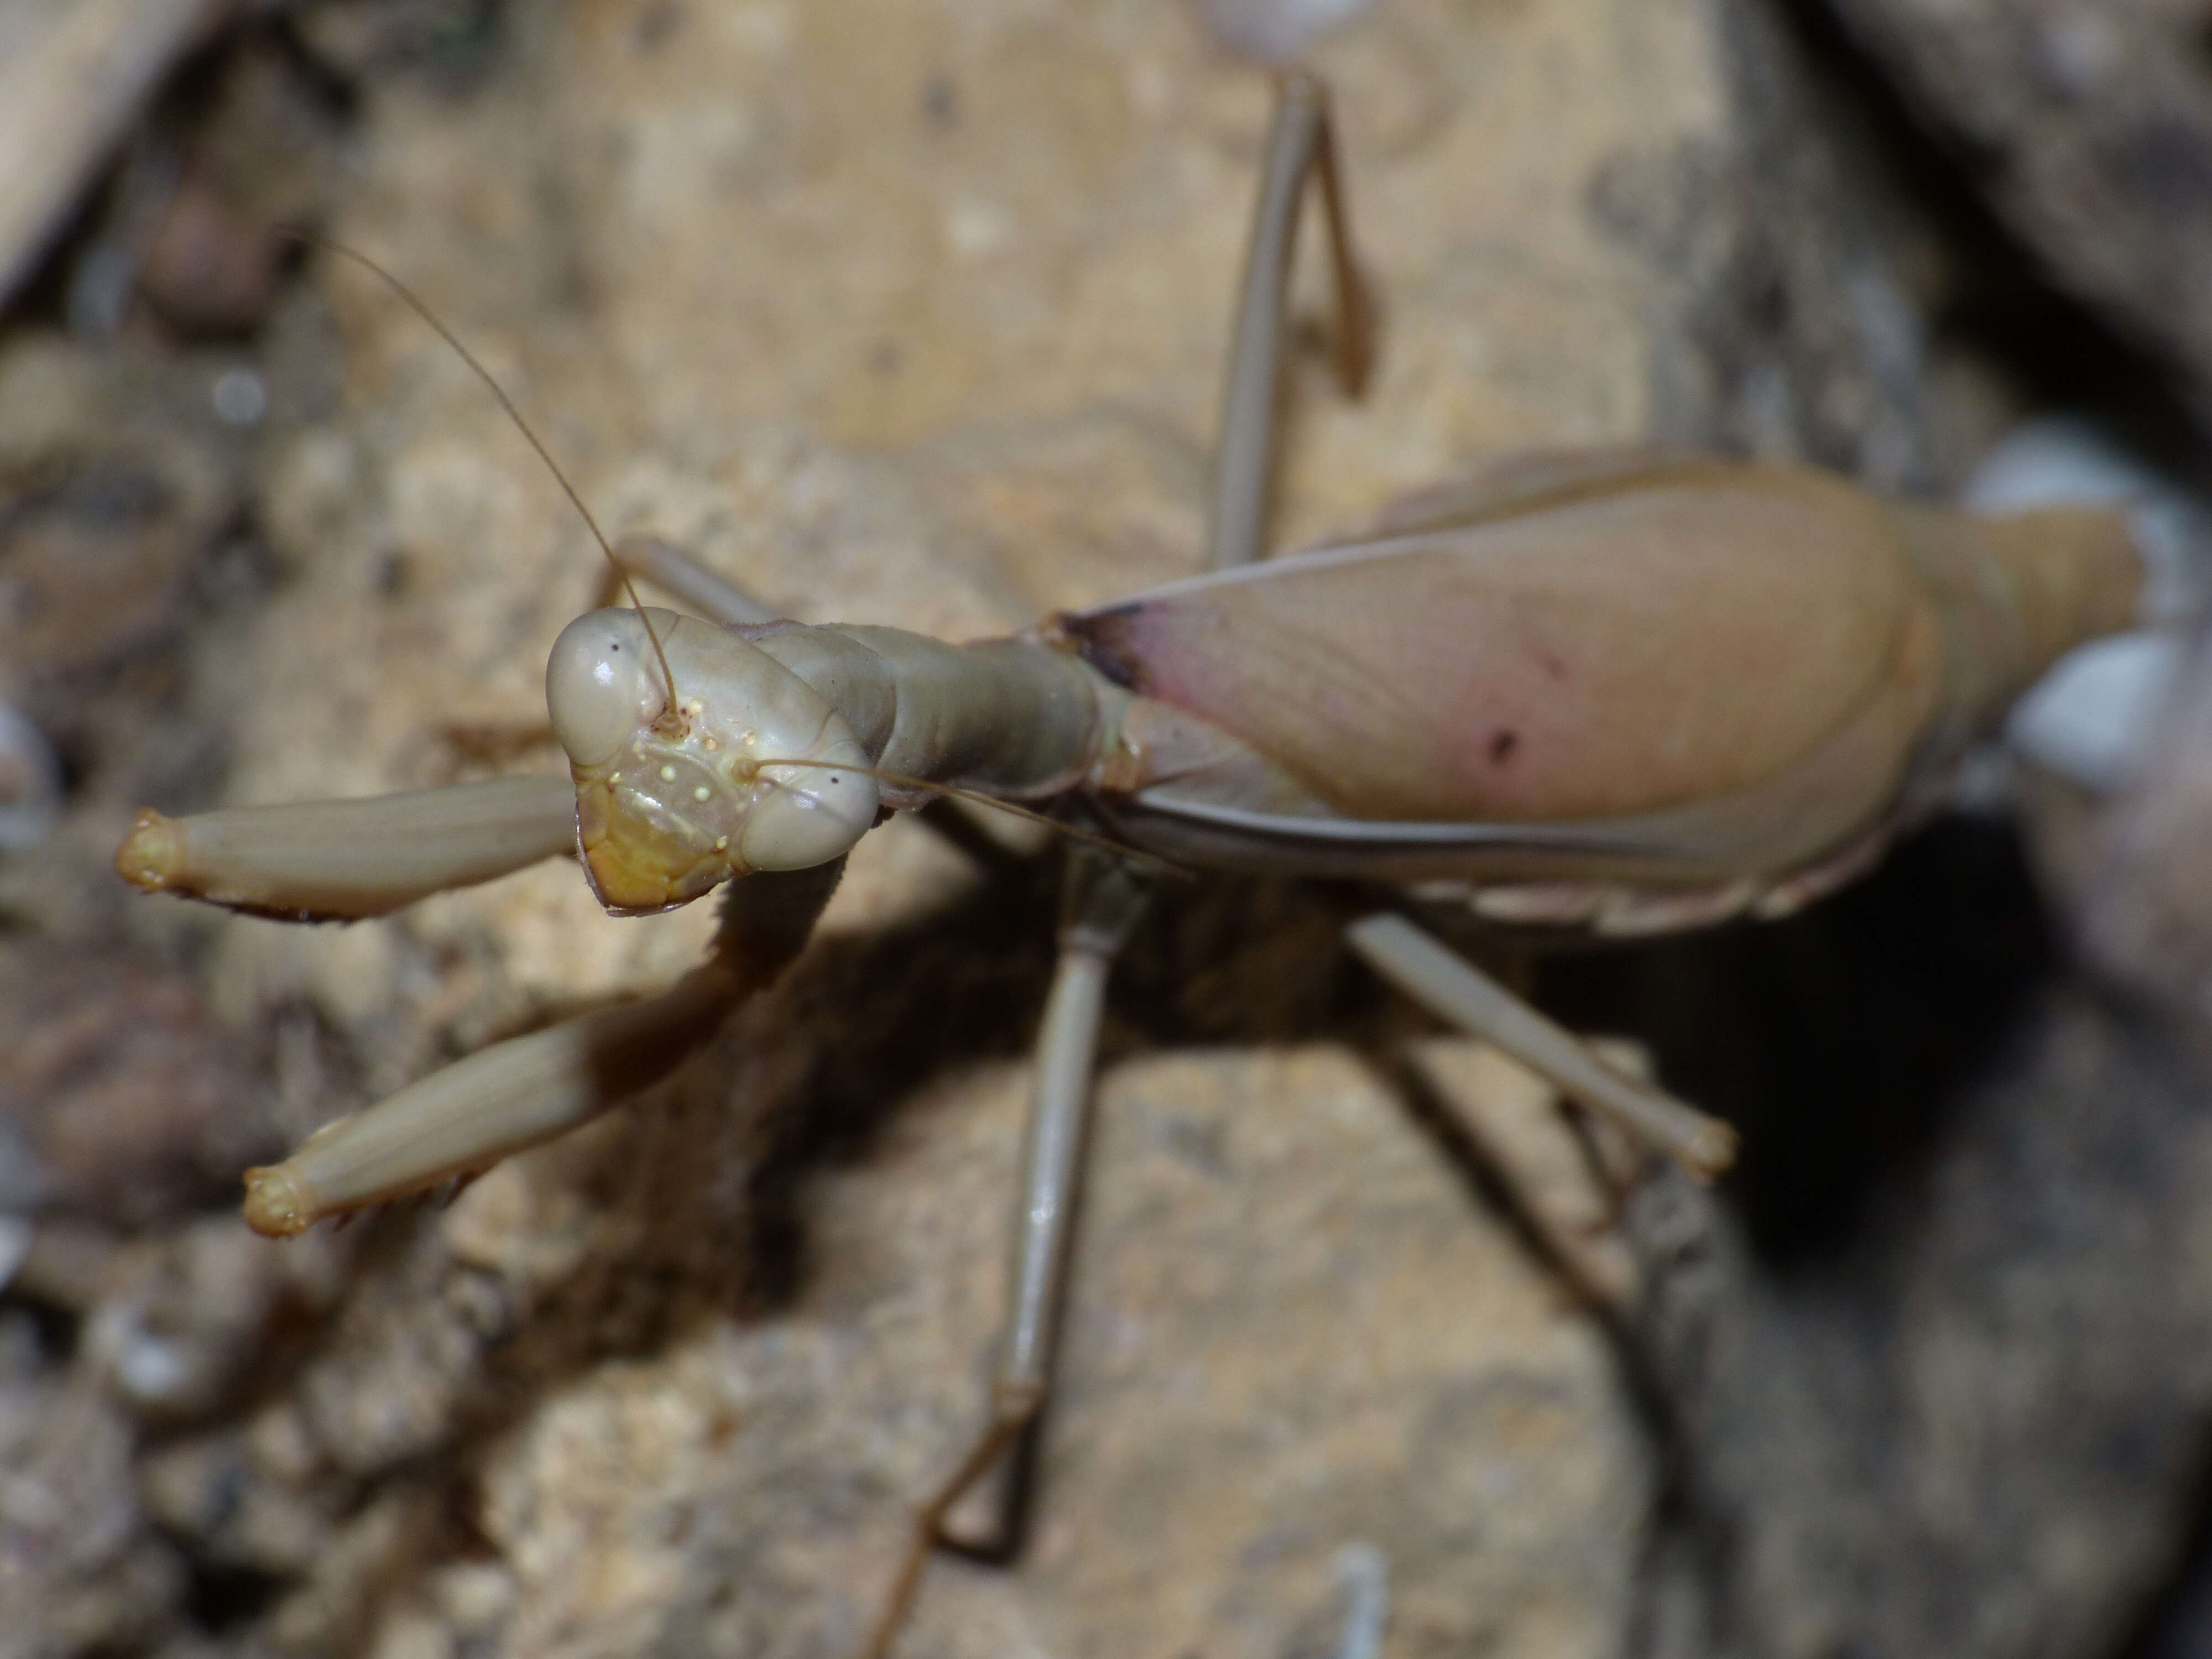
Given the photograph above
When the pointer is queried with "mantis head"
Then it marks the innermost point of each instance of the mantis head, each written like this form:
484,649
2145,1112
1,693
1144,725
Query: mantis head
674,795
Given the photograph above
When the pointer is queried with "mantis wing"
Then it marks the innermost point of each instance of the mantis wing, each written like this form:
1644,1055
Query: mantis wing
1673,674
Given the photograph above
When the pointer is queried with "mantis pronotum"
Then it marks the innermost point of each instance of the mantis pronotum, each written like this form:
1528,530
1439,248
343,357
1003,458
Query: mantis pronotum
1529,692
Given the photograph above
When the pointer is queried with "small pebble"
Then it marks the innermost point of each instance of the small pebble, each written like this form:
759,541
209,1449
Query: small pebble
240,397
1275,31
14,1246
212,268
149,1371
30,783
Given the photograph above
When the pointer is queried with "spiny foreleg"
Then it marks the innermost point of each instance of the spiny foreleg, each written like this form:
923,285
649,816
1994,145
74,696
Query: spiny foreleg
343,860
517,1094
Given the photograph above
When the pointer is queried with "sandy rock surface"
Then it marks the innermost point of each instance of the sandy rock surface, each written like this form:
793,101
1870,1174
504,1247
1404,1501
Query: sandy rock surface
1262,1371
908,315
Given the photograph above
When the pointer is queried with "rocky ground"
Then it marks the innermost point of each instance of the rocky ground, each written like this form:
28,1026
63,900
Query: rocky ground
914,315
2085,129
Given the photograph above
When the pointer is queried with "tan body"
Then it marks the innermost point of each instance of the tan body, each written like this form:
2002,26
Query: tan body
1665,676
1709,688
1725,688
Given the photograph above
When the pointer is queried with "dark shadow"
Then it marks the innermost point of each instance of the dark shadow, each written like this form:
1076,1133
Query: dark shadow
709,1188
1679,1508
1839,1040
2007,299
221,1599
2177,1623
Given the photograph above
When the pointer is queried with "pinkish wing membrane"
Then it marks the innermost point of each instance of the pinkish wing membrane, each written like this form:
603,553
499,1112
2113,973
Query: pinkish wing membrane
1687,635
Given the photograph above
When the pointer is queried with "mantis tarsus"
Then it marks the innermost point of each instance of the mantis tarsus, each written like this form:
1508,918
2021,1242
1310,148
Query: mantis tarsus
1604,692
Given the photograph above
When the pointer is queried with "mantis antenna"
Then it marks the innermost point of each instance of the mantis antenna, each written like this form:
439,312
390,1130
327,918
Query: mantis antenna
421,308
416,304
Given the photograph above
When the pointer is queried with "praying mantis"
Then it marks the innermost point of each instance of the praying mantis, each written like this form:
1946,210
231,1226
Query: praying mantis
1605,693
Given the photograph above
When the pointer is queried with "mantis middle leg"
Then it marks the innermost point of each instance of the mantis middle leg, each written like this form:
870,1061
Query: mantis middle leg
709,593
1103,897
1103,900
1301,145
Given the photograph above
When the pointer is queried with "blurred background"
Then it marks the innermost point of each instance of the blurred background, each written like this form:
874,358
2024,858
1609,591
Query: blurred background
914,311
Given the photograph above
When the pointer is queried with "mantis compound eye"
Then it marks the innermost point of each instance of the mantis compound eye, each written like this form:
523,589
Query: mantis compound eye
602,682
805,816
754,771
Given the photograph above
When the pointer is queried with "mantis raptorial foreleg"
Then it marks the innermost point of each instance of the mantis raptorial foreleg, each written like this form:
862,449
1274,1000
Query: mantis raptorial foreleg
346,860
516,1094
497,1102
352,860
343,860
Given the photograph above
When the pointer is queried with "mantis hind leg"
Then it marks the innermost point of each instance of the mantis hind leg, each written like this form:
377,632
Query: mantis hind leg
1456,991
1302,144
1103,898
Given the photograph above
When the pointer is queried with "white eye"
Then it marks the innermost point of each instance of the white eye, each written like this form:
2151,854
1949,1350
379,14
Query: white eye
598,684
810,814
